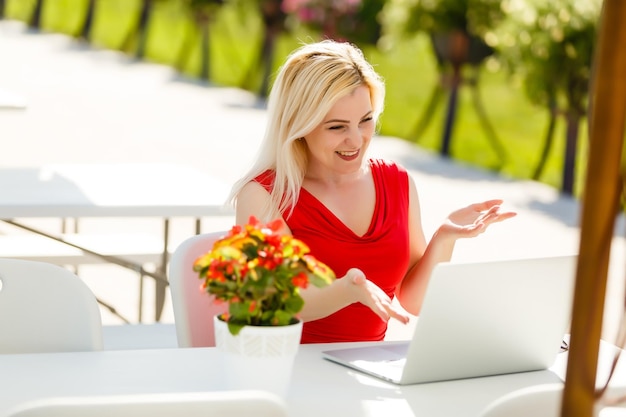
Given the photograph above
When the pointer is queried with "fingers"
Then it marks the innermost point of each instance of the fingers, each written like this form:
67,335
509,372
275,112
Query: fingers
386,310
490,211
482,221
486,205
489,214
373,297
504,216
399,315
494,215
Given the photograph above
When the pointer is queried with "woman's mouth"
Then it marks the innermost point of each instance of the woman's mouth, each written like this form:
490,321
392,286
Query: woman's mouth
348,155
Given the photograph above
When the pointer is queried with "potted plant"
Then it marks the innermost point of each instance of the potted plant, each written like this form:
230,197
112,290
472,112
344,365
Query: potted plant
259,273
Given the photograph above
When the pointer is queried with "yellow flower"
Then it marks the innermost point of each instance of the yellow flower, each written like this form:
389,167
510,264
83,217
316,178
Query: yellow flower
260,273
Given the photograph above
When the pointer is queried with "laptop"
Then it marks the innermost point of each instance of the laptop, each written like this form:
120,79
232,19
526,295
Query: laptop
478,319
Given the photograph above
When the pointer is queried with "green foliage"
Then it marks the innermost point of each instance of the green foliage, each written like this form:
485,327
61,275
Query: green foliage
550,46
356,21
203,10
477,17
407,64
472,16
367,28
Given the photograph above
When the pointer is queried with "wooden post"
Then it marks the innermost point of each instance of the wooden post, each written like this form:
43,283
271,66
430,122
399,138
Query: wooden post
599,209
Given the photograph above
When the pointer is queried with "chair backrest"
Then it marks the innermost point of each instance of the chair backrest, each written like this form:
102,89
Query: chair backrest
538,401
46,308
201,404
193,308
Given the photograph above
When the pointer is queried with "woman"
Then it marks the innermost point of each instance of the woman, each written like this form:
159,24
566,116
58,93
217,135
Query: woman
360,216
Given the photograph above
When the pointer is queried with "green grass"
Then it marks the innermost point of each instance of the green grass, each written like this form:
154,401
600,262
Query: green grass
409,70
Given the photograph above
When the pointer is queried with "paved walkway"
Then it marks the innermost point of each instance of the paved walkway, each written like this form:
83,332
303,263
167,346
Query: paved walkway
89,105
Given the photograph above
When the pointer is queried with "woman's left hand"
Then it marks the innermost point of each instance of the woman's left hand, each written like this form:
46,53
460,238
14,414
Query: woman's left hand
474,219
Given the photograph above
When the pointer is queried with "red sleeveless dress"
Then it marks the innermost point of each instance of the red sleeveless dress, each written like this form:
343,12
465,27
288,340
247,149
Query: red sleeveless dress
382,253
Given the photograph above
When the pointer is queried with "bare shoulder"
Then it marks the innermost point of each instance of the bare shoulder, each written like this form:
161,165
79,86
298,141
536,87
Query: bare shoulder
251,200
252,189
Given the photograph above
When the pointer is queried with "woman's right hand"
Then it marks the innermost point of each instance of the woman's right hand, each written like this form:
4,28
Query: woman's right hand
474,219
370,295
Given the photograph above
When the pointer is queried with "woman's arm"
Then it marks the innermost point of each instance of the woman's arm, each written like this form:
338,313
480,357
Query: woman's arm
466,222
351,288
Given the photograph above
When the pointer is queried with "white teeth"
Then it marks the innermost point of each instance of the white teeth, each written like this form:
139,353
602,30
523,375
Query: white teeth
343,153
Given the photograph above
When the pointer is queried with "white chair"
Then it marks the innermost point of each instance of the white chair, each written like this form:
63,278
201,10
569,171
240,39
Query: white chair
46,308
538,401
193,308
202,404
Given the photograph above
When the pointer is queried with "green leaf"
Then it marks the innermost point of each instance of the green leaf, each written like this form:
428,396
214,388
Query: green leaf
234,328
294,304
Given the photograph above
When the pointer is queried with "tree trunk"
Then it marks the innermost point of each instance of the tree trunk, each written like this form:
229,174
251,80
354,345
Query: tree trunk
87,25
205,48
273,25
35,19
547,144
571,145
139,32
267,59
599,209
455,84
142,28
453,51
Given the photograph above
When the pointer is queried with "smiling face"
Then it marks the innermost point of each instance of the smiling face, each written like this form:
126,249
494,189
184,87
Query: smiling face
338,144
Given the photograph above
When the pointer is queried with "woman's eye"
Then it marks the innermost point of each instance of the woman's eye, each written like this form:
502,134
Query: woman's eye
336,127
367,119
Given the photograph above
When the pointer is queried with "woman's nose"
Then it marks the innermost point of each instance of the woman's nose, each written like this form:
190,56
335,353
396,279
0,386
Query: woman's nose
354,137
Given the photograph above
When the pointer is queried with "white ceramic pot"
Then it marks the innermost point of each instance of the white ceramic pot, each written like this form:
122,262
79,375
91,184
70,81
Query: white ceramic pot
259,357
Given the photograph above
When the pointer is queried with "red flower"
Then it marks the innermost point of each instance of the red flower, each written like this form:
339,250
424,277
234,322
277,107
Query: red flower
275,225
258,271
301,280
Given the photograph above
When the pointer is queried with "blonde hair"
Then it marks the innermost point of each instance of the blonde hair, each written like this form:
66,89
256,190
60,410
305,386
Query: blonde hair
307,86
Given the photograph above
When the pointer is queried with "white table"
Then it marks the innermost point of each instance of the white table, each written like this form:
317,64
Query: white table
319,387
111,190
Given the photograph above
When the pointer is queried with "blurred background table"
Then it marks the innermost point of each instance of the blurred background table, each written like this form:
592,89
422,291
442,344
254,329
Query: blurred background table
128,190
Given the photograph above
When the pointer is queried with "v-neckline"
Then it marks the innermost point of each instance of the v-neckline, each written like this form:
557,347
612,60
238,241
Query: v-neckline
330,213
